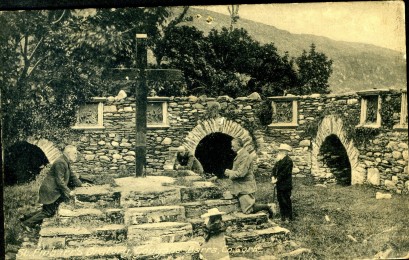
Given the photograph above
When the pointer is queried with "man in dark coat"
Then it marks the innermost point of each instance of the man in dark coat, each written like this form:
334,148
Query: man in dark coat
185,160
243,182
54,188
282,177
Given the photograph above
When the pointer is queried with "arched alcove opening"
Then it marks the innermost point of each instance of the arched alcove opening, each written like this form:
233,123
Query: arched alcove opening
215,154
22,163
334,160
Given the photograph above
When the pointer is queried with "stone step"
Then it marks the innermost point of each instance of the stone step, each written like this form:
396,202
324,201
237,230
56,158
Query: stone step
189,250
63,237
68,216
256,239
164,232
196,209
141,215
98,196
179,250
147,192
95,252
200,190
235,222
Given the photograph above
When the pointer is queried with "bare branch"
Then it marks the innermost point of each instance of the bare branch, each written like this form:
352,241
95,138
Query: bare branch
35,49
36,64
59,19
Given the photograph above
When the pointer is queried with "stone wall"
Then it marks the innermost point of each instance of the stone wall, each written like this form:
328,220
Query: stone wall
379,159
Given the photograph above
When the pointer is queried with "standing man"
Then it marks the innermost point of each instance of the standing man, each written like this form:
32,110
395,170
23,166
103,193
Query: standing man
244,183
282,177
54,188
185,160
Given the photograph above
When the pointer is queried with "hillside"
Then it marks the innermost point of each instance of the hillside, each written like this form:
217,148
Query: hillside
356,66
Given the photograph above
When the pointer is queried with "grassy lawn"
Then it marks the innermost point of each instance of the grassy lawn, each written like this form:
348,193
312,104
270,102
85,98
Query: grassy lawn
376,225
19,200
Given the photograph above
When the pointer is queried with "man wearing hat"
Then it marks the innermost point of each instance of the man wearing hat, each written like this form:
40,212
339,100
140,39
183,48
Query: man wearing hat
282,177
243,182
185,160
54,189
214,246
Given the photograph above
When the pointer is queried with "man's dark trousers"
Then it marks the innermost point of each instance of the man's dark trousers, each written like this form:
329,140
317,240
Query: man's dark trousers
47,211
284,201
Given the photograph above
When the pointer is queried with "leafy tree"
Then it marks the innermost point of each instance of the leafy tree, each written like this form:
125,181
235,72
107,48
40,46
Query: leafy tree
314,70
54,60
272,74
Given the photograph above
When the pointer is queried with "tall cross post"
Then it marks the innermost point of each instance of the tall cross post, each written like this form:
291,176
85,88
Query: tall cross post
141,74
141,97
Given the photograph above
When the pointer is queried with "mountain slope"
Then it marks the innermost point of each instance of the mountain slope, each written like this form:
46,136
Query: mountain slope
356,66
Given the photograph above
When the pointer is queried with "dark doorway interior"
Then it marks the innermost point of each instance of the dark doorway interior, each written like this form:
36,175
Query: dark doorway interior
22,163
215,153
336,158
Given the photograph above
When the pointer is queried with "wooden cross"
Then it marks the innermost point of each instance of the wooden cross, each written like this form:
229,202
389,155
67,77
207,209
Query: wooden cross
141,74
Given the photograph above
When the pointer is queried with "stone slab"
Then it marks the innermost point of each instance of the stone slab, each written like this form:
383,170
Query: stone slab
196,209
264,238
131,199
141,215
97,252
79,237
234,222
98,195
164,232
181,251
200,191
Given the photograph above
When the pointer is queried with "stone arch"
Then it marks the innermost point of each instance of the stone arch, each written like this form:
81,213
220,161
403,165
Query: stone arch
218,125
49,148
332,125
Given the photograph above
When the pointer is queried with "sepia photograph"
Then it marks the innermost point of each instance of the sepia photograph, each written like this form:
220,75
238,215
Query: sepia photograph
182,130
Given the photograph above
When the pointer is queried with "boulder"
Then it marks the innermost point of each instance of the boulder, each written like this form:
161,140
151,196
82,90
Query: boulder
254,96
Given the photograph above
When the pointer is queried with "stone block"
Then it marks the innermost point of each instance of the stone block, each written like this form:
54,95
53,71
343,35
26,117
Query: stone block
305,143
166,141
200,191
235,222
179,250
403,145
115,144
51,242
94,252
163,232
265,238
100,195
390,184
380,196
374,176
89,157
196,209
110,109
142,215
396,154
405,155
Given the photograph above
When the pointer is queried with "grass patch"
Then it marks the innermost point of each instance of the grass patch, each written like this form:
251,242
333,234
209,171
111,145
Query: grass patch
353,211
19,200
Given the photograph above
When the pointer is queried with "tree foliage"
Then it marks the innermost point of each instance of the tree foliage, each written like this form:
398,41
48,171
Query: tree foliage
55,60
314,70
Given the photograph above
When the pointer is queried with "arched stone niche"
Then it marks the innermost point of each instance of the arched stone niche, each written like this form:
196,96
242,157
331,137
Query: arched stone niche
218,125
48,148
332,125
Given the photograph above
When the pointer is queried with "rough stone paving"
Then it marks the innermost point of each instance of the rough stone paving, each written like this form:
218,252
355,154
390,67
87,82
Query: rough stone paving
99,226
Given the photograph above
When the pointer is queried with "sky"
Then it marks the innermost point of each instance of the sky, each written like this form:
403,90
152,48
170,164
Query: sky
381,23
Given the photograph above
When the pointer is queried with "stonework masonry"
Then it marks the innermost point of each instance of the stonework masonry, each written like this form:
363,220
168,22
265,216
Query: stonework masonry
380,160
